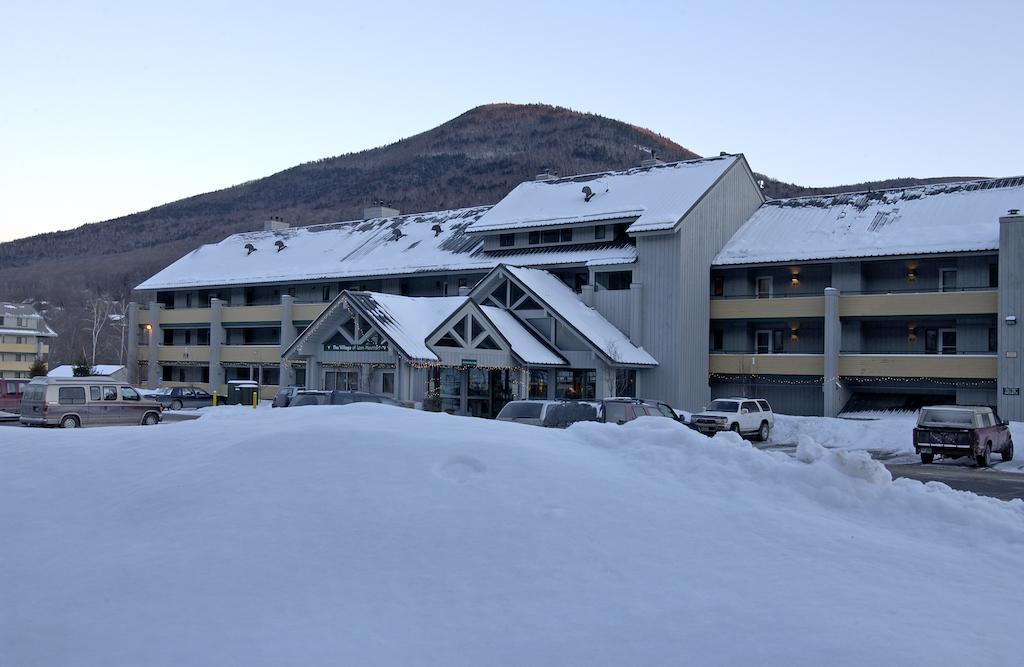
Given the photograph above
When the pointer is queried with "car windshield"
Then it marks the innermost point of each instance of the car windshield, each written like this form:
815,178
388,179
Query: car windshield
308,399
724,406
520,410
963,418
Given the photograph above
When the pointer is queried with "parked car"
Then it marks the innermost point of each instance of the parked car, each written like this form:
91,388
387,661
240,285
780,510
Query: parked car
342,397
622,410
338,397
309,397
746,416
85,401
284,396
177,398
962,430
10,394
567,413
526,412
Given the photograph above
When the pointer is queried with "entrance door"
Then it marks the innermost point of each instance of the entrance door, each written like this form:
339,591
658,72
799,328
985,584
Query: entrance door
947,341
763,342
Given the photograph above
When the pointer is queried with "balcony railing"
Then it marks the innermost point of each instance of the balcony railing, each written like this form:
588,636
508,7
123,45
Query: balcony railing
888,304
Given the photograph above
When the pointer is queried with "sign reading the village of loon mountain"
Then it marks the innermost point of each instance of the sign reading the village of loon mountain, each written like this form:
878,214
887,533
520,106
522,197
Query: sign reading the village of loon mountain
357,347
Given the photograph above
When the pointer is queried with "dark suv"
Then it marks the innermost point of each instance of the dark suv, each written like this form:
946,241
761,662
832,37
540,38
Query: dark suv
609,410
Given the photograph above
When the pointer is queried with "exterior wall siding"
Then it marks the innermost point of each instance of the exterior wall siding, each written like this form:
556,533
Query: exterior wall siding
1011,305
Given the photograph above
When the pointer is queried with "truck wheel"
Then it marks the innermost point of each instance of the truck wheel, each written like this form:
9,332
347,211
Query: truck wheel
927,458
763,432
983,458
70,421
1007,452
735,428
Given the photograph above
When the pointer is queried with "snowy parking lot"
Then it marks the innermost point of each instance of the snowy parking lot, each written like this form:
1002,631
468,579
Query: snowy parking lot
376,535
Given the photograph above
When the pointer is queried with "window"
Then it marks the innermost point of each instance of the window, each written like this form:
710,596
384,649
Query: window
291,291
188,299
993,339
167,373
931,341
534,238
717,286
947,280
778,338
110,393
575,384
95,394
763,287
188,337
565,235
947,341
993,275
538,383
614,280
71,395
600,232
625,382
750,406
765,406
325,293
615,412
550,236
507,240
387,383
717,340
129,394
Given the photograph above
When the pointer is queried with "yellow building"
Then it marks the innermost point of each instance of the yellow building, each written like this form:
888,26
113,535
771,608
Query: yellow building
24,337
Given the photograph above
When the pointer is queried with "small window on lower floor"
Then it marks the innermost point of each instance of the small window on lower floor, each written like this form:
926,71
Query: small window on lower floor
625,382
534,238
387,383
539,383
507,240
614,280
717,340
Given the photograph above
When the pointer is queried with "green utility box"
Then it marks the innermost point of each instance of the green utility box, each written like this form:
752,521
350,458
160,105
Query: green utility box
241,392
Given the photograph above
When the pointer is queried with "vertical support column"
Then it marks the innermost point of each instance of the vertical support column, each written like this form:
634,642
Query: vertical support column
365,379
287,338
1010,327
132,353
636,312
216,340
524,384
153,368
831,386
313,370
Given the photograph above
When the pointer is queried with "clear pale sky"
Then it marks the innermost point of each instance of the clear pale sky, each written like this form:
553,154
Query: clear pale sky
111,108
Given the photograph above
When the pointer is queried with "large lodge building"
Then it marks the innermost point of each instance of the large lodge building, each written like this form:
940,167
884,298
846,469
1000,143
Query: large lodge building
671,281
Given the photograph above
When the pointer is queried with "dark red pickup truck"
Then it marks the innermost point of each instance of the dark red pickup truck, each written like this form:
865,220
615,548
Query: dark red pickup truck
961,430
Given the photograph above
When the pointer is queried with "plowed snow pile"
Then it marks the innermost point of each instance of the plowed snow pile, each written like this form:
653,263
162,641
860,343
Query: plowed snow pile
372,535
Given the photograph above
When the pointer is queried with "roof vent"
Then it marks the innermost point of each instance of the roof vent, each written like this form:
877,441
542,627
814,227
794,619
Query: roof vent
546,175
274,224
378,209
396,233
437,230
722,153
1014,211
249,249
280,245
588,194
651,161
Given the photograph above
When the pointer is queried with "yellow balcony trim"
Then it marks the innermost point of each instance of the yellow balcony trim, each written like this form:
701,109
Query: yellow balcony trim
269,314
764,309
256,354
983,367
767,364
184,316
190,353
919,303
307,312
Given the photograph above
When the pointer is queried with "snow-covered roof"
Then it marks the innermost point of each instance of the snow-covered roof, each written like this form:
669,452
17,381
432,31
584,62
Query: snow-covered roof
337,250
362,249
947,217
67,370
655,197
407,320
18,310
524,344
598,331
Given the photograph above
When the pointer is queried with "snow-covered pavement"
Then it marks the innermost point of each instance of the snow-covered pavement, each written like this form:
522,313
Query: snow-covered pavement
366,534
885,436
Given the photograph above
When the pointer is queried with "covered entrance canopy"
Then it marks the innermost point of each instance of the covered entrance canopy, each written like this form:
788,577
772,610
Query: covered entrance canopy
467,354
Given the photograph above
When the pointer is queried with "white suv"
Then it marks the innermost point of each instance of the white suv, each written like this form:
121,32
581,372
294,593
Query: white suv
746,416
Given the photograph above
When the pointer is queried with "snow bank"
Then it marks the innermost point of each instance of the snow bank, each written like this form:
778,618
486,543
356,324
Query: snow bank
366,534
893,434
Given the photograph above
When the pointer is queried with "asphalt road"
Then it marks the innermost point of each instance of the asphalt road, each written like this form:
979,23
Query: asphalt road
983,481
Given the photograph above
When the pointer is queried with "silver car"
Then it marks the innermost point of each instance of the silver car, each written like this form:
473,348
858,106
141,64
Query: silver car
85,401
526,412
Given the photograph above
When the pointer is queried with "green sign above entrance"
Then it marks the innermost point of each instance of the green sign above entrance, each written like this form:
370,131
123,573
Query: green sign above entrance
360,347
470,363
